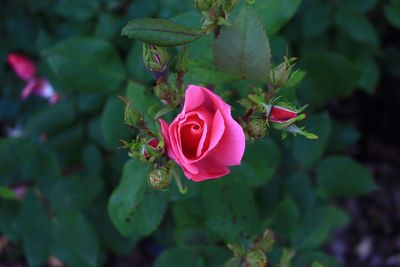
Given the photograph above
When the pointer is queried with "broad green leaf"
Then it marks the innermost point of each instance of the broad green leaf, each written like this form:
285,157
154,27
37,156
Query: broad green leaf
308,152
299,187
76,9
274,14
243,49
34,224
74,193
343,136
74,241
370,74
92,159
179,257
7,193
113,126
356,26
342,176
285,219
392,13
227,210
204,72
134,208
14,168
317,19
52,119
328,74
256,170
160,32
9,212
86,64
357,5
317,225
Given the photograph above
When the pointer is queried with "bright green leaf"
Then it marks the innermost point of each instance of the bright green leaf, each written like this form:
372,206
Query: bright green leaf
7,193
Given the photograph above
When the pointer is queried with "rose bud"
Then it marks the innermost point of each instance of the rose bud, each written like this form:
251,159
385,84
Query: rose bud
165,93
155,57
255,258
23,67
204,139
152,149
257,128
280,74
281,117
160,178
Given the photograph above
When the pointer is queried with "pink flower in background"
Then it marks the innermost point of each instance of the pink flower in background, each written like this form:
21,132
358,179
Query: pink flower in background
25,69
204,139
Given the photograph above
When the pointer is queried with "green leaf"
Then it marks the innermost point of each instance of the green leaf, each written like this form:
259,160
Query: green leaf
343,136
7,193
392,13
342,176
34,224
41,166
52,119
228,213
179,257
357,5
328,74
317,225
86,64
370,74
76,9
286,217
92,159
74,241
204,72
113,126
300,189
243,49
160,32
308,152
135,208
356,26
74,193
321,13
256,170
275,14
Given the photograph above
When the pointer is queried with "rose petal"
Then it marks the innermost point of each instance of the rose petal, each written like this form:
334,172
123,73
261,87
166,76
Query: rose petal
29,88
164,133
208,168
194,98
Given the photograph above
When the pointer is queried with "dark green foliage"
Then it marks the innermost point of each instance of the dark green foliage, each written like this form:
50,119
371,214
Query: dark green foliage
84,200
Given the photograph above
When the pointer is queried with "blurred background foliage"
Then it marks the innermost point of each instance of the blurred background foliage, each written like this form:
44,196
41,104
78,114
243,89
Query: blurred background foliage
68,160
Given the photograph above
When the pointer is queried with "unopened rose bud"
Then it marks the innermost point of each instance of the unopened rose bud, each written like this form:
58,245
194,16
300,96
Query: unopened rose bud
165,93
152,150
203,5
255,258
23,67
281,117
132,118
281,73
155,57
266,241
257,128
160,178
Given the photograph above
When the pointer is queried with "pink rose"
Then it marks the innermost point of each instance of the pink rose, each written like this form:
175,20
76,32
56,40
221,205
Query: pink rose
204,139
23,67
